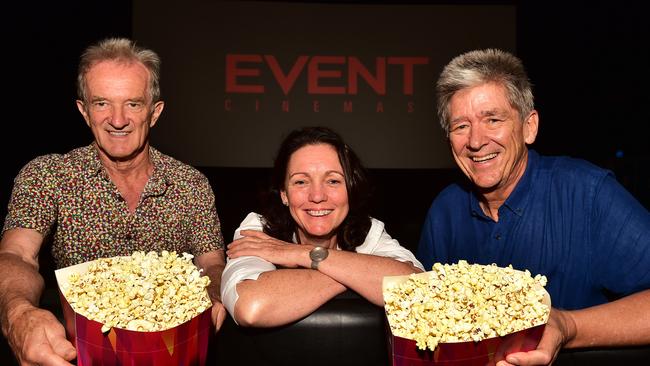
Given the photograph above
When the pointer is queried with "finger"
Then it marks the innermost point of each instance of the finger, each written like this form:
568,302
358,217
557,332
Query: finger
46,356
235,242
218,315
243,250
246,240
254,234
64,348
535,357
55,334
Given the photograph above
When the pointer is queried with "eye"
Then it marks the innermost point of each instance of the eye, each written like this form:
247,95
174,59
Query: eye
135,105
459,127
493,122
99,105
334,181
299,182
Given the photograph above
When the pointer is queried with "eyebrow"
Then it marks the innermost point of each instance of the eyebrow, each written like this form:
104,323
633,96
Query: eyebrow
326,173
130,100
486,113
493,112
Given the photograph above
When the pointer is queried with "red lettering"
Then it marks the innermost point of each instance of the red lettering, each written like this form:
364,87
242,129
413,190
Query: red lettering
316,105
285,106
380,107
376,82
286,81
411,107
227,105
233,71
315,74
408,63
347,106
257,105
325,74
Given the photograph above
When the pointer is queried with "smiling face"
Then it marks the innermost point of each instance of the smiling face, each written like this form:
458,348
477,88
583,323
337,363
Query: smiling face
118,109
316,193
488,139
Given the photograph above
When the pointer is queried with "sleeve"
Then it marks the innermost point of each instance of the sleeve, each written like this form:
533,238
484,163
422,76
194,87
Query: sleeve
386,246
236,271
242,268
205,225
33,202
621,232
253,221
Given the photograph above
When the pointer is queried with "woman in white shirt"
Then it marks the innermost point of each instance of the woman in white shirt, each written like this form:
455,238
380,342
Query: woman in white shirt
321,205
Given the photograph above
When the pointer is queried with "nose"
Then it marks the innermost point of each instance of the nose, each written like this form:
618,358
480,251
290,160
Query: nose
118,118
317,193
477,137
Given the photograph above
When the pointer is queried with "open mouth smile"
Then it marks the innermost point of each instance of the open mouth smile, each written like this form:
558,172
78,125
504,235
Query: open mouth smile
318,213
480,159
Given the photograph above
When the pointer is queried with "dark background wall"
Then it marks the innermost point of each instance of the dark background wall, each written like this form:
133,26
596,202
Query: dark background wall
588,62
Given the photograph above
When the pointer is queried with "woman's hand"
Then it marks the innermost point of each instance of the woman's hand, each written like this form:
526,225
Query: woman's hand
278,252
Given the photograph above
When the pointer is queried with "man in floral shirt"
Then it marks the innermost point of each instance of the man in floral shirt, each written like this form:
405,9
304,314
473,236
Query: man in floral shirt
110,198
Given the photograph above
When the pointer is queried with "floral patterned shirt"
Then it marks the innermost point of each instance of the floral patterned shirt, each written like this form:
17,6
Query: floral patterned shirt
72,197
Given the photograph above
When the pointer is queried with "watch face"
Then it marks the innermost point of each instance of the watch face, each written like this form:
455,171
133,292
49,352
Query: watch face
318,254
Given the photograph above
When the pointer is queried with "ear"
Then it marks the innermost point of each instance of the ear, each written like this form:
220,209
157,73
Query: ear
284,198
157,110
531,124
81,106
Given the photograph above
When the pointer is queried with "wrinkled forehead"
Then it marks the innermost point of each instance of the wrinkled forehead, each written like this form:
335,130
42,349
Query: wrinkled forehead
486,98
112,77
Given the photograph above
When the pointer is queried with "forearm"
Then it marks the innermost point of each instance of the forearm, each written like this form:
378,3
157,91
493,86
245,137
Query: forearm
21,286
620,323
363,273
212,264
283,296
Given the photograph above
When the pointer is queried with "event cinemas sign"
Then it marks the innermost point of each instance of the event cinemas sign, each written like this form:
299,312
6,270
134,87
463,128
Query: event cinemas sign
237,76
320,76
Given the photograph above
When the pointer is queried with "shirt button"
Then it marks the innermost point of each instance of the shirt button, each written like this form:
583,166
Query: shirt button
497,237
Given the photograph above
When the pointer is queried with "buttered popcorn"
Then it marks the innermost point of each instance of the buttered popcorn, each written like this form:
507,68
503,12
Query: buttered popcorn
465,302
143,292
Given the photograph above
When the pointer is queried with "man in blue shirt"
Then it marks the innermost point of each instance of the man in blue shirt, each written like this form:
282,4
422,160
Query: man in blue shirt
557,216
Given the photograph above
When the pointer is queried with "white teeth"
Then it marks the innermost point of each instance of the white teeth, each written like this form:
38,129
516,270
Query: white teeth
119,133
484,158
318,212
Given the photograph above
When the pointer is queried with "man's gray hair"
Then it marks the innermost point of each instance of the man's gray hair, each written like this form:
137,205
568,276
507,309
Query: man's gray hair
478,67
121,50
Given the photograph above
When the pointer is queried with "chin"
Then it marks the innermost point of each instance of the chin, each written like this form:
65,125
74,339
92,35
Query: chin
320,234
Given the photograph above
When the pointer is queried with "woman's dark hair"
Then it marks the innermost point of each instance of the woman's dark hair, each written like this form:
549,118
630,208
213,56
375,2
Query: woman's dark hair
278,222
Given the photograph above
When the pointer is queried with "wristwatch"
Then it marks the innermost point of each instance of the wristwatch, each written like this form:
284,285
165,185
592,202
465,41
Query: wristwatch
317,255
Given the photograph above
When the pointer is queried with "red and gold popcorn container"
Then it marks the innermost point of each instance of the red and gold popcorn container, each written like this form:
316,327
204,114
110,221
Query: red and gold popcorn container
487,352
185,344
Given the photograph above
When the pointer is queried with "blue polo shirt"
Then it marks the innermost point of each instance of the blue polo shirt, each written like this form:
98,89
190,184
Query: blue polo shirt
566,219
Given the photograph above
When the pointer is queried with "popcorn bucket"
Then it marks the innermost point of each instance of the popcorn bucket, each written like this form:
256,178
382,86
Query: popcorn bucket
404,352
185,344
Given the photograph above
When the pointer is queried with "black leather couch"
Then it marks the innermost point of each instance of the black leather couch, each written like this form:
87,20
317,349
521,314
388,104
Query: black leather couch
348,330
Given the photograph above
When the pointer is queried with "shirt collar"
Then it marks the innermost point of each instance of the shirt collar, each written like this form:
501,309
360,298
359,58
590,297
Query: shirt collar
161,178
518,199
156,185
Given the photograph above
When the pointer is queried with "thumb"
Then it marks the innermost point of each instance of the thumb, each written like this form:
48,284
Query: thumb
218,315
62,347
50,357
